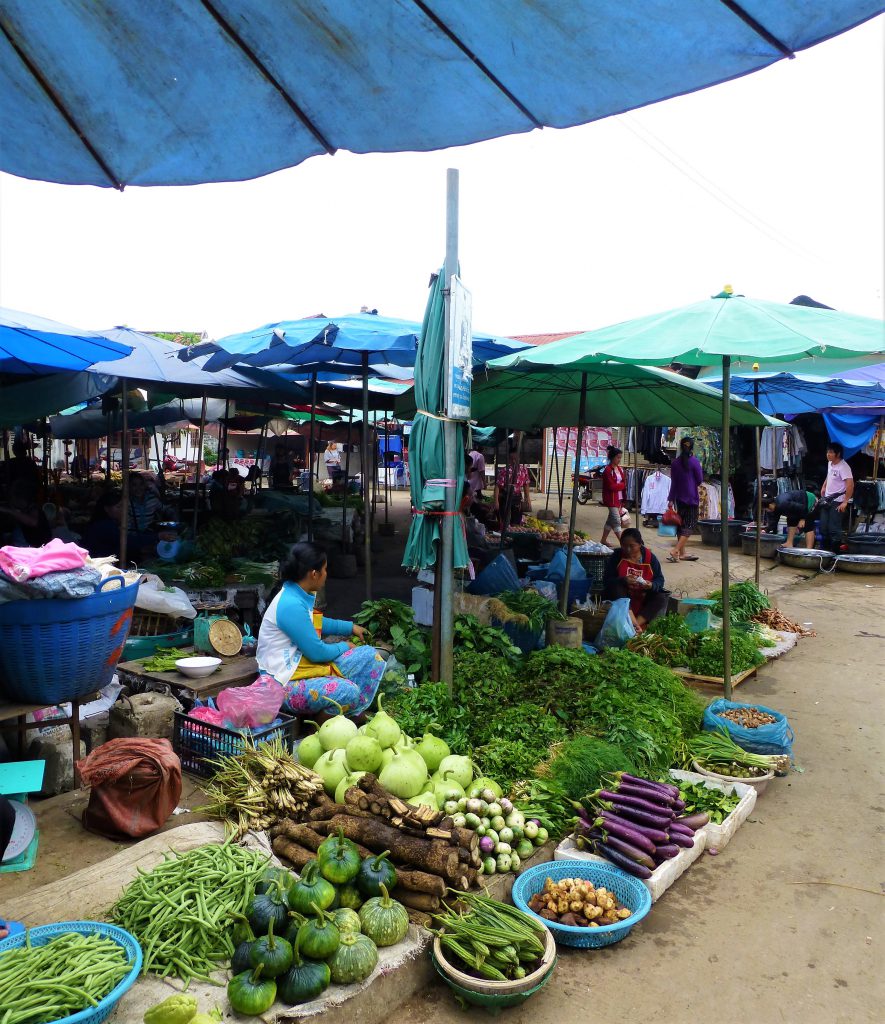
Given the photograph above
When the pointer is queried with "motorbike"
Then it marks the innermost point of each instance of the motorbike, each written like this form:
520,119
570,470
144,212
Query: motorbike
585,487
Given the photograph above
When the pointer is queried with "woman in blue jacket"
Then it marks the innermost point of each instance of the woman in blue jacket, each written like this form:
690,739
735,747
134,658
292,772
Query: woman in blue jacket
292,650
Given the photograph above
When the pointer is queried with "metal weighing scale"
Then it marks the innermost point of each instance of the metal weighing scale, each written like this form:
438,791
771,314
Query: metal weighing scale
17,779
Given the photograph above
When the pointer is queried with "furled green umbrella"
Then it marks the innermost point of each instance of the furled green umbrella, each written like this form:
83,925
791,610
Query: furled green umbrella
426,446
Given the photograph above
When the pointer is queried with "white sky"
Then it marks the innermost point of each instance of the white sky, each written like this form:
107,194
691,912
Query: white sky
560,230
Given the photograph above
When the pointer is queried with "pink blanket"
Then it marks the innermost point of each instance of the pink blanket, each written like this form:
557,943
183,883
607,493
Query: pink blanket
22,564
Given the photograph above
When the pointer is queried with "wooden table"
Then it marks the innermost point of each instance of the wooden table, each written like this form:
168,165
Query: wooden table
236,671
19,713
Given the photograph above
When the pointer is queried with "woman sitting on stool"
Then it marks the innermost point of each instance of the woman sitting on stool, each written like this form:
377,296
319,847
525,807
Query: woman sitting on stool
634,565
316,675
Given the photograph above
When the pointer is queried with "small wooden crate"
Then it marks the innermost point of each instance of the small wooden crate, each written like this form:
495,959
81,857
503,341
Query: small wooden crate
705,682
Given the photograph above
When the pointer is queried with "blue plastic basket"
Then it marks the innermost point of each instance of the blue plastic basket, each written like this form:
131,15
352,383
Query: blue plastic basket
627,890
41,935
54,651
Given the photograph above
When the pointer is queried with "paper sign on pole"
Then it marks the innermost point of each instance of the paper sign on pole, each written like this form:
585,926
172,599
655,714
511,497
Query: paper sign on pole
459,355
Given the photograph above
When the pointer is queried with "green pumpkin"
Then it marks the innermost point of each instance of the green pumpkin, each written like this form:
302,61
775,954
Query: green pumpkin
384,920
318,937
305,980
347,921
349,897
266,907
251,994
241,931
272,953
278,875
339,859
375,872
353,960
241,961
296,920
311,888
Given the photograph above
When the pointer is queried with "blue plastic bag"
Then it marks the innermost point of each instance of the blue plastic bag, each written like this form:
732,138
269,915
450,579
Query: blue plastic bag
556,568
618,627
497,577
775,738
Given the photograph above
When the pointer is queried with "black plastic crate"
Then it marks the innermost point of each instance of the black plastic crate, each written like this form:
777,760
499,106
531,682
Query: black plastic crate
197,743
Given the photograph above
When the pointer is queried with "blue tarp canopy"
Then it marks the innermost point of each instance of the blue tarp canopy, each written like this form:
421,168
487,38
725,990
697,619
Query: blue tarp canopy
335,345
34,345
174,92
783,394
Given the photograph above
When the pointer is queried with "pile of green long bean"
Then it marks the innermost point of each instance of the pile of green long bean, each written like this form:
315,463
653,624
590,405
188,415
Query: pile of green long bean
492,939
182,911
68,974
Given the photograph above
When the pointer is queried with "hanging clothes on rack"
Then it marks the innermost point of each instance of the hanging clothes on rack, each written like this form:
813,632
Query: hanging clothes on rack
654,493
782,448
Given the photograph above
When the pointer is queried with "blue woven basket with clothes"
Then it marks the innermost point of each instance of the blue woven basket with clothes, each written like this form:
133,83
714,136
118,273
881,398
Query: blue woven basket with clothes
53,651
626,889
45,933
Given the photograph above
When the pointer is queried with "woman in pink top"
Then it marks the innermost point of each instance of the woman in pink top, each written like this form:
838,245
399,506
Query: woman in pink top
837,491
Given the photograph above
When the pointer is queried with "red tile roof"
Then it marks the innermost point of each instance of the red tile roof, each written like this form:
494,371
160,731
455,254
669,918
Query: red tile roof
544,339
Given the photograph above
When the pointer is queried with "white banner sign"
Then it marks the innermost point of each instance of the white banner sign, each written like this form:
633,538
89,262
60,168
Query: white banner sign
460,352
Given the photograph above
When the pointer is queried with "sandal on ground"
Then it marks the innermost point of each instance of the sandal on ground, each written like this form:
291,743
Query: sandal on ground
689,558
672,558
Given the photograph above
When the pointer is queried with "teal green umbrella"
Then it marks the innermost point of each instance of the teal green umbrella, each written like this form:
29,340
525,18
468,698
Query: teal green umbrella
728,325
537,389
426,447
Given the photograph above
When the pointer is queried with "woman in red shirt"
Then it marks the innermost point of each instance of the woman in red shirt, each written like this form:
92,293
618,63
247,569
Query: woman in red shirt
614,487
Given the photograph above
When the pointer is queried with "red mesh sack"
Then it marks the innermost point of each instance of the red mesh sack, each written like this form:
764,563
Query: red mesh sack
135,786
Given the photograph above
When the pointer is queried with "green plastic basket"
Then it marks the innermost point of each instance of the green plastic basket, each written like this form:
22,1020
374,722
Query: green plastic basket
137,647
492,1002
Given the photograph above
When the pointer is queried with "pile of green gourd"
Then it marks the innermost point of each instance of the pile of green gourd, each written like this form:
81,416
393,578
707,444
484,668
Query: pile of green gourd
300,935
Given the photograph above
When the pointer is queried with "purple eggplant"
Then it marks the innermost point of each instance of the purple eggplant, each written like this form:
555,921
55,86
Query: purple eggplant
630,866
694,821
632,814
678,839
667,852
654,835
627,834
638,803
611,842
683,830
656,797
635,780
678,806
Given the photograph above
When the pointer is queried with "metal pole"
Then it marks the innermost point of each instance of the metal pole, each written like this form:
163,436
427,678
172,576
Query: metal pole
386,467
124,500
511,487
262,441
568,442
199,460
726,459
223,438
347,478
313,420
582,420
446,562
551,461
364,457
637,494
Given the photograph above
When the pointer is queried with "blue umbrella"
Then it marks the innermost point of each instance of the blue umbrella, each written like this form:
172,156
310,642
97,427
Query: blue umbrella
176,92
33,345
335,345
787,394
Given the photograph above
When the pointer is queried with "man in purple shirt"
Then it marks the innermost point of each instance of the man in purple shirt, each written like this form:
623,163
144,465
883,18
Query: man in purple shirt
686,476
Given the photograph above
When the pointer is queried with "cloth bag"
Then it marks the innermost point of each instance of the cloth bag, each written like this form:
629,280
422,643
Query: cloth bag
135,785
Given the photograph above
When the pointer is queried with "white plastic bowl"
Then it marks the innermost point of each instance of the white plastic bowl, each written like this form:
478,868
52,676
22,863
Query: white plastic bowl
197,668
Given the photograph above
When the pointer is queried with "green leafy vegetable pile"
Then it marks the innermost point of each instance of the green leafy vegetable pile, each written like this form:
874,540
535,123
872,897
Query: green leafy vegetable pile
582,764
537,610
746,600
709,649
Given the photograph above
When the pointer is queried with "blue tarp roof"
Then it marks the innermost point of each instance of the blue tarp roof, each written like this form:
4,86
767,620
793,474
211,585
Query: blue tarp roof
175,92
34,345
782,394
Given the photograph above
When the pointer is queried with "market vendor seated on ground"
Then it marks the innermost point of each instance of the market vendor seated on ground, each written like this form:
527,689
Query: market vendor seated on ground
633,565
315,674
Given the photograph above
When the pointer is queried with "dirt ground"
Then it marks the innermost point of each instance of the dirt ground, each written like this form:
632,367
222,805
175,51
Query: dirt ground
785,924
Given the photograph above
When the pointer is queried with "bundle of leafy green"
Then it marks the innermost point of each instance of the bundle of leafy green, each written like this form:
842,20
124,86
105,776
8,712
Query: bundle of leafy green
746,600
707,656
